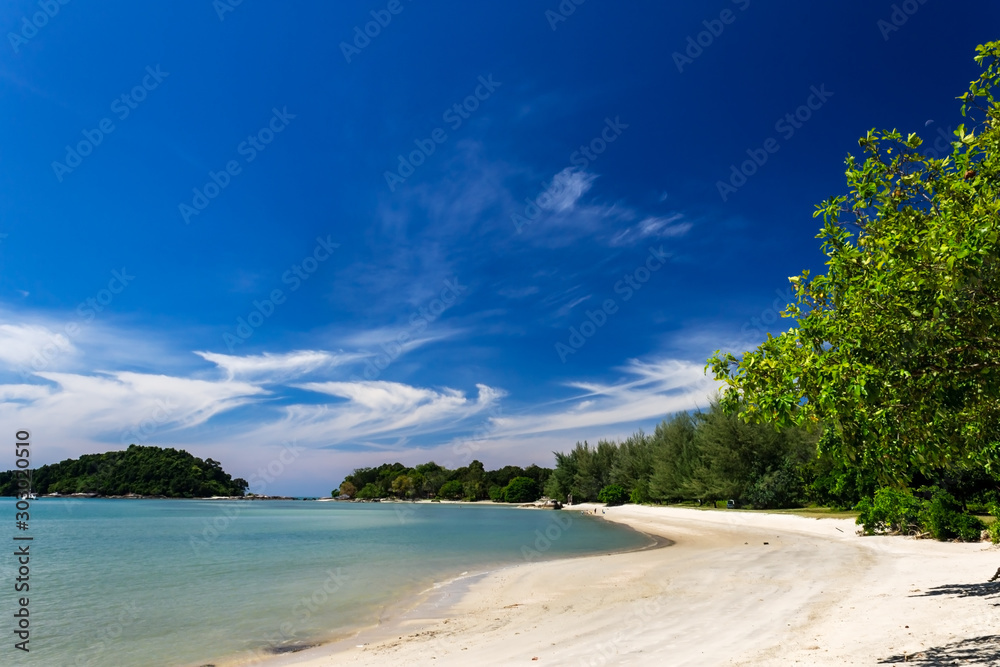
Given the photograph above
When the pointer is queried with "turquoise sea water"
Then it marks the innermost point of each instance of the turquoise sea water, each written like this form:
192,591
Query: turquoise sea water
187,582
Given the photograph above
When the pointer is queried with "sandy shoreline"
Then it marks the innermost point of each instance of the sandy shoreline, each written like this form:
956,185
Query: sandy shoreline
814,594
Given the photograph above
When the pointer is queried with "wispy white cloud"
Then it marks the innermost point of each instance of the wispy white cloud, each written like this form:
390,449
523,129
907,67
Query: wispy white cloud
75,414
377,408
565,190
562,215
653,227
379,336
307,396
566,308
277,367
655,390
87,410
24,344
651,391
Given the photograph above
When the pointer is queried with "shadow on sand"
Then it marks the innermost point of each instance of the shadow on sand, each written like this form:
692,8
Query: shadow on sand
975,651
983,650
985,590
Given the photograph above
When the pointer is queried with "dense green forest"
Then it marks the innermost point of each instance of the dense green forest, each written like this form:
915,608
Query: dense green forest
709,456
147,471
715,455
705,456
429,480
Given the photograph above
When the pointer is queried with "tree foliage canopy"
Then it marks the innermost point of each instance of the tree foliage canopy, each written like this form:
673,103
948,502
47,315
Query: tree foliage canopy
430,480
710,455
521,490
897,346
147,471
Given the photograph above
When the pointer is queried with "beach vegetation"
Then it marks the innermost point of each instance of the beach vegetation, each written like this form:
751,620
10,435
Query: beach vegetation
521,490
369,492
993,527
451,490
639,495
890,511
401,486
894,349
613,494
931,512
702,456
430,480
138,470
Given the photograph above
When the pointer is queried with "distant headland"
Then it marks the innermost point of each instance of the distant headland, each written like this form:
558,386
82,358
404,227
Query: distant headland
137,472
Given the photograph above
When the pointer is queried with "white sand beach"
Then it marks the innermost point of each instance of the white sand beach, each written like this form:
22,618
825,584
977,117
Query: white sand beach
735,588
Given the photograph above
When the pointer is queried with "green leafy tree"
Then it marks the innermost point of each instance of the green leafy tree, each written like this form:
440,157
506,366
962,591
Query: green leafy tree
369,492
521,490
560,483
640,493
633,465
402,486
897,346
417,482
451,490
675,457
539,474
474,490
503,476
613,494
593,469
433,476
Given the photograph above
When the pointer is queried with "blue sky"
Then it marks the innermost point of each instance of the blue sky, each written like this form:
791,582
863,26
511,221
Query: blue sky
480,230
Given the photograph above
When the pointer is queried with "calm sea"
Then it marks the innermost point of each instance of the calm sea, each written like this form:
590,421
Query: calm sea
186,582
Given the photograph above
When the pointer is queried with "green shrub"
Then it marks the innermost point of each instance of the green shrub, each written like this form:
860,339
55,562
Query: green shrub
967,528
891,511
994,530
945,519
940,513
521,490
776,488
895,511
936,517
613,494
496,493
451,490
640,494
369,491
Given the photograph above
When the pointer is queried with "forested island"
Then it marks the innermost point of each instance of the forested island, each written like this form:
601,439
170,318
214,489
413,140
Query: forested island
139,470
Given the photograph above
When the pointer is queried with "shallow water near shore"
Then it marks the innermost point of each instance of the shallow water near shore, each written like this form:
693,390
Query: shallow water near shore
188,582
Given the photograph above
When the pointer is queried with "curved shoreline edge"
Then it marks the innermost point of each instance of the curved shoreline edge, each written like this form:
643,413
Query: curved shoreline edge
734,588
429,603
